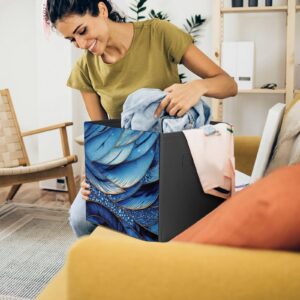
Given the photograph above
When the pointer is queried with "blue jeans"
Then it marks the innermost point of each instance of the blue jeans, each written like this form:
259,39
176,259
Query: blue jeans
77,217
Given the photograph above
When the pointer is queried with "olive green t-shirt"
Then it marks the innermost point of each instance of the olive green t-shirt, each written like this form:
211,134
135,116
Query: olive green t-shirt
150,62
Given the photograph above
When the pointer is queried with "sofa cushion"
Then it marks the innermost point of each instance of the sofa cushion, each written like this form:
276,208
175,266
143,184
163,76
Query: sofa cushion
245,151
264,215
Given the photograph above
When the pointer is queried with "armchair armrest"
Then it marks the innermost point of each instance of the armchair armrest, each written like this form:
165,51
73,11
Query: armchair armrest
45,129
116,266
63,134
245,151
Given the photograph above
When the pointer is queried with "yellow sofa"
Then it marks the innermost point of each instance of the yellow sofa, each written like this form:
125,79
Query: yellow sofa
110,265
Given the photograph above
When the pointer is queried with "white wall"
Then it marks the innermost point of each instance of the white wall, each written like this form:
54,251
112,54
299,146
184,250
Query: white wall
35,70
18,67
53,62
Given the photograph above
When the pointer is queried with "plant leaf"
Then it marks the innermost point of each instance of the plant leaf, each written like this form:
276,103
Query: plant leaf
142,9
141,3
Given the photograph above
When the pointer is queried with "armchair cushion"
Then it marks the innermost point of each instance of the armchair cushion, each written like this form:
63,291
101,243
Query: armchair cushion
264,215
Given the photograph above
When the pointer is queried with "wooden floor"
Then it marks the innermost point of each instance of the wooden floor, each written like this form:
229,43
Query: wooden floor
31,193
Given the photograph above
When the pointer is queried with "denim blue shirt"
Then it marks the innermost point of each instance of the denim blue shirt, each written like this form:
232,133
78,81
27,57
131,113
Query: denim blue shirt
139,108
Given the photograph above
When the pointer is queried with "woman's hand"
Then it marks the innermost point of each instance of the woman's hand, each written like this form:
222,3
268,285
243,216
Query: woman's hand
181,98
84,189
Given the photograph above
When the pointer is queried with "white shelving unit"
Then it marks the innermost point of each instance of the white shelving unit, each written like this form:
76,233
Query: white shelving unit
290,10
263,91
254,9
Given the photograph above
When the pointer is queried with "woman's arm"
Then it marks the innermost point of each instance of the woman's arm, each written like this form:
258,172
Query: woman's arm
214,83
217,82
93,106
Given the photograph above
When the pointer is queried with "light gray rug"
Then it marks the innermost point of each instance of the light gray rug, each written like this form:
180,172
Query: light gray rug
33,246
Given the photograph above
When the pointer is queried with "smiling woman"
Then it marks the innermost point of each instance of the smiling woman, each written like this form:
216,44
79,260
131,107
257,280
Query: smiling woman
120,58
74,21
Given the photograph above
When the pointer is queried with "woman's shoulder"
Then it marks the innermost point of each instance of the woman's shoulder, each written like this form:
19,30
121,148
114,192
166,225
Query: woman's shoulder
85,59
153,23
157,27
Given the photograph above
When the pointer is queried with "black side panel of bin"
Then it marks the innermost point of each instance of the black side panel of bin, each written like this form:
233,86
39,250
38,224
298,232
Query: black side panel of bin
111,123
182,201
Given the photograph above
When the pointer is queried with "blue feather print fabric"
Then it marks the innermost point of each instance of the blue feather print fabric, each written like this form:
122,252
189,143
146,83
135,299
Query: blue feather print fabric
122,168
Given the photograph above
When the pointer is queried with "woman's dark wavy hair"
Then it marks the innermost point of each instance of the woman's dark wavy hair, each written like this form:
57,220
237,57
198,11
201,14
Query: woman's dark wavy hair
58,9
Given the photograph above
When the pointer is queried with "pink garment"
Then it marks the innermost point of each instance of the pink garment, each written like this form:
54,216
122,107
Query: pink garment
213,156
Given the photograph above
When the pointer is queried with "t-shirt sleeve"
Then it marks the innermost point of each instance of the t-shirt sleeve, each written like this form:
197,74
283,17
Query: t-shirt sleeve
176,41
79,78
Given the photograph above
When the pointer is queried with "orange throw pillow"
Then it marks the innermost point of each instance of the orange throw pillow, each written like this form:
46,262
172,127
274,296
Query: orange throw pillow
265,215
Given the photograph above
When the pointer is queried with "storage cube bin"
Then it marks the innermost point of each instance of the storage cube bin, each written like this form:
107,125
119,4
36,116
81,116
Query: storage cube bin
143,183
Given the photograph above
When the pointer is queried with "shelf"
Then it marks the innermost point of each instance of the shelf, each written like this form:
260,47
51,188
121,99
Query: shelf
263,91
255,9
288,10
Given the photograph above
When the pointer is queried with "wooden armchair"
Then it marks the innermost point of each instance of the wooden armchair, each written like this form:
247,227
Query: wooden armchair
15,168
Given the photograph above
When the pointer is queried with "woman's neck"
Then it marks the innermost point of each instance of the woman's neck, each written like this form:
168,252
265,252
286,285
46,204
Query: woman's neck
121,37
